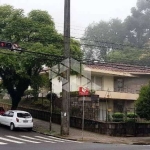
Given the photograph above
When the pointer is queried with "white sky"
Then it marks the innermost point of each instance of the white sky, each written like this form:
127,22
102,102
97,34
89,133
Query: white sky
83,12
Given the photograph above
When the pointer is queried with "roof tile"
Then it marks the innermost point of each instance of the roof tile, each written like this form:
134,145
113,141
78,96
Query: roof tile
120,67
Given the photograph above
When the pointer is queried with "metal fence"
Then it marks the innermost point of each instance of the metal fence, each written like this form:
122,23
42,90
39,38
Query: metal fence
110,128
93,110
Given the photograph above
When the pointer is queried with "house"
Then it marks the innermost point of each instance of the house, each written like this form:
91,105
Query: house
117,85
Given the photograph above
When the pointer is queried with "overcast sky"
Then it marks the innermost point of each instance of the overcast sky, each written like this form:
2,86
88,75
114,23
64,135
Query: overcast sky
83,12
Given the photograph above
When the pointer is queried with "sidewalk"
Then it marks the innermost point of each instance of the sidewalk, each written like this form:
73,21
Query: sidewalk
75,134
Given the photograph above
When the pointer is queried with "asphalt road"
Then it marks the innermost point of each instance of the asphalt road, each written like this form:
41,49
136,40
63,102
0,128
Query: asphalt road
24,140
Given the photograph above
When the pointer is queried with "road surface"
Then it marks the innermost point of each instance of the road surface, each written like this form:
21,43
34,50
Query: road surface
24,140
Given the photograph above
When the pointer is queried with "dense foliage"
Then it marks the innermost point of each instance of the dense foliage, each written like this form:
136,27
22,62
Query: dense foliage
34,32
143,103
134,31
118,117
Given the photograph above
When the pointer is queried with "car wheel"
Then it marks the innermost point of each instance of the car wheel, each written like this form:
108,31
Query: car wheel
12,127
29,129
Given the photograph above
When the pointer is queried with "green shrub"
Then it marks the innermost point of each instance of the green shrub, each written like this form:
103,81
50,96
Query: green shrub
76,93
131,120
132,115
118,117
72,94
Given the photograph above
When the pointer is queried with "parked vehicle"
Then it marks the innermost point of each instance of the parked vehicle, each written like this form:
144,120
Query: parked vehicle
17,119
2,111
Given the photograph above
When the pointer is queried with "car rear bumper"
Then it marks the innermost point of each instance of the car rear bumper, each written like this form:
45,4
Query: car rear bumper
23,125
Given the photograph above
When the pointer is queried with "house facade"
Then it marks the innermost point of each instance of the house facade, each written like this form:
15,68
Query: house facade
117,85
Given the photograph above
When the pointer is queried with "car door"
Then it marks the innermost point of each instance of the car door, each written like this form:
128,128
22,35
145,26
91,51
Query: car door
9,118
4,117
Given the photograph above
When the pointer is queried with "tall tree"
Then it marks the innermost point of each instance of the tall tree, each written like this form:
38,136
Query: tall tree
35,32
112,31
138,24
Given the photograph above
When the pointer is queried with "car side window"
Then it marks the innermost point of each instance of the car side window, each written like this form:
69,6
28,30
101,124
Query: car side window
11,114
6,113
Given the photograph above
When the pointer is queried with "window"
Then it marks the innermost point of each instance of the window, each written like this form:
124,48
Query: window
23,115
119,106
120,83
11,114
6,113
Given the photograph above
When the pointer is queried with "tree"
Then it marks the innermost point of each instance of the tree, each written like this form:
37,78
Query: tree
129,55
133,31
112,31
37,82
34,32
143,102
138,24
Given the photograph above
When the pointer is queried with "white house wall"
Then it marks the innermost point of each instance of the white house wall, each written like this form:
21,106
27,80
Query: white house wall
96,83
74,83
108,83
56,86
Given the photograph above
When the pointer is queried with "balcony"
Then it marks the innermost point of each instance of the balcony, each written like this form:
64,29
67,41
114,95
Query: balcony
117,95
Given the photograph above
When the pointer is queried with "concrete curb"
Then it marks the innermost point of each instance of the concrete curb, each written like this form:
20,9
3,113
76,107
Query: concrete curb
98,142
140,143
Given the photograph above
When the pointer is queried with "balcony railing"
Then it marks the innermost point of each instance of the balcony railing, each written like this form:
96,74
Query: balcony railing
117,95
127,90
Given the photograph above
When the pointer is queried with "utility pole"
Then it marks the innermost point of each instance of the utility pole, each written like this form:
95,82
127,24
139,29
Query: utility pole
51,90
65,116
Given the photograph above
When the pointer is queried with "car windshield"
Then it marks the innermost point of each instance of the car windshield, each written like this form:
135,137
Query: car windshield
23,115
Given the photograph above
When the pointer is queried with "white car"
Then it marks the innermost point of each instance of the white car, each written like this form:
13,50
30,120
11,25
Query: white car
17,119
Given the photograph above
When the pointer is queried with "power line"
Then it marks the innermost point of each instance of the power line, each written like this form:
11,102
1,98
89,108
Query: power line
39,54
107,44
95,61
103,43
121,61
100,44
33,56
